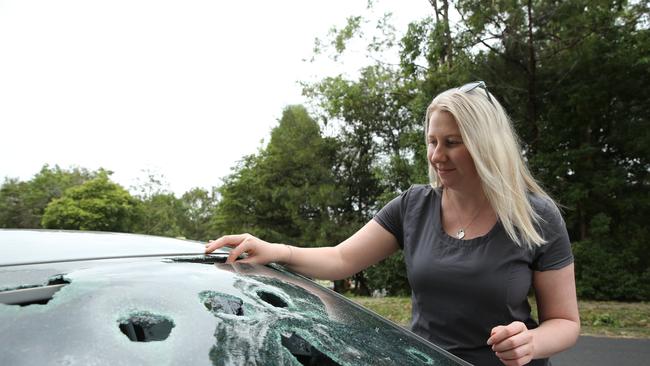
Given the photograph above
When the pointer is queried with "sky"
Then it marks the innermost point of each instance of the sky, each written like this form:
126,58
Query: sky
181,89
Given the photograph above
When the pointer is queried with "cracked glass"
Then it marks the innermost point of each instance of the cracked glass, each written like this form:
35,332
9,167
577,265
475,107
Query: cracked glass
193,310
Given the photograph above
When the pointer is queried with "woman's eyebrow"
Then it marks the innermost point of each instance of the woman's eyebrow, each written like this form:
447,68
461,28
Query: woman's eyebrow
446,136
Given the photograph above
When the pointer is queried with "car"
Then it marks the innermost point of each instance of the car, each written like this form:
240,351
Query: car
82,298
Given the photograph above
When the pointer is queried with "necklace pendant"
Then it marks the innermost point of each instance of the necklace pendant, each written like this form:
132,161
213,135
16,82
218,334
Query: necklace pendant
460,234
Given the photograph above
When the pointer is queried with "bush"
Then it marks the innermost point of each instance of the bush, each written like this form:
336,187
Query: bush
97,204
606,274
389,275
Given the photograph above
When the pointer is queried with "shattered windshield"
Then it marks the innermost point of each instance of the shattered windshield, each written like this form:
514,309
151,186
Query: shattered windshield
190,311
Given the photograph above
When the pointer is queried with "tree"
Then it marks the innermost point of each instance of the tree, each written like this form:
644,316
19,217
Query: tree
22,203
97,204
365,112
286,192
159,214
198,207
14,212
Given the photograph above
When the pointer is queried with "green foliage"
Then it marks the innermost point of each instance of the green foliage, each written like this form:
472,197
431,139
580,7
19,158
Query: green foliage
102,205
389,275
346,33
605,271
286,192
375,125
198,207
22,203
159,214
14,210
97,204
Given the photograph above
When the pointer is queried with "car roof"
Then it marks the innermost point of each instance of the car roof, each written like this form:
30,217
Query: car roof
19,246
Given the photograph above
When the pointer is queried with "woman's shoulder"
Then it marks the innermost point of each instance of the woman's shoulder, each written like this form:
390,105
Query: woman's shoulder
543,205
423,190
419,195
548,212
420,192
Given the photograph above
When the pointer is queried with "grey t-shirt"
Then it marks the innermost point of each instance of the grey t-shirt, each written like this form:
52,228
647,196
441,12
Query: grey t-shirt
464,288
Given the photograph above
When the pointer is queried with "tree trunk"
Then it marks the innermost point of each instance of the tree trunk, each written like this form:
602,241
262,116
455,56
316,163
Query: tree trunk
582,223
448,40
342,286
360,285
434,3
532,65
446,54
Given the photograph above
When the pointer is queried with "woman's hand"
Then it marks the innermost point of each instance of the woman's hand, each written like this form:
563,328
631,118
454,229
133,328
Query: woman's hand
259,251
512,343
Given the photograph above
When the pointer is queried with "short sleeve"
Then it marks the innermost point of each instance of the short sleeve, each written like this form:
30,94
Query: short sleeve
391,217
556,252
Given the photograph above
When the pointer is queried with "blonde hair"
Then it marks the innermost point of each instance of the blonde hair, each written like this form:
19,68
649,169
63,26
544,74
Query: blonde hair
488,134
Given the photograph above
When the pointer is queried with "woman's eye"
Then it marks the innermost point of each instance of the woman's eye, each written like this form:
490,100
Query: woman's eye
447,142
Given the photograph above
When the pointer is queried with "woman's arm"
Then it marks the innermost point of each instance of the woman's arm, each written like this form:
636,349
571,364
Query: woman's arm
369,245
559,327
557,306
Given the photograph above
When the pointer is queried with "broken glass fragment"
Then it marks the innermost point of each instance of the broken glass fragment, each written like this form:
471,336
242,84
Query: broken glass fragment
420,356
222,303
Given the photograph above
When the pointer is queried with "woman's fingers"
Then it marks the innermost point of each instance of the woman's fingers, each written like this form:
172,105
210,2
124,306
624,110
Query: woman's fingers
503,332
243,247
258,250
516,356
512,344
226,240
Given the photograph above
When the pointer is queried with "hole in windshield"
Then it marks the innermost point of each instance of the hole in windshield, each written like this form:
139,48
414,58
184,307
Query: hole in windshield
57,280
33,294
304,352
272,299
146,327
222,303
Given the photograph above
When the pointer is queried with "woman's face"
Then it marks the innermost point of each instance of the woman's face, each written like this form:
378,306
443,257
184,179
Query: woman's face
447,153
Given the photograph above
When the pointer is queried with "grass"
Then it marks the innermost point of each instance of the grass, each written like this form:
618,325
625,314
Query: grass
598,318
615,319
397,309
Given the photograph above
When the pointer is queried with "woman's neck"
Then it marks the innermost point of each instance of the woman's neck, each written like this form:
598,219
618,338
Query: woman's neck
465,201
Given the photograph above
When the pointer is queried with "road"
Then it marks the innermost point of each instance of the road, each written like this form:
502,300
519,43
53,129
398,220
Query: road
597,351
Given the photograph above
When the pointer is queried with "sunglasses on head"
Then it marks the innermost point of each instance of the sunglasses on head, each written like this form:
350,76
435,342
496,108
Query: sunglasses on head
473,85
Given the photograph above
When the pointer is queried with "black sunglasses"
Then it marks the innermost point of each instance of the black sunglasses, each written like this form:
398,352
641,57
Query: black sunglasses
476,84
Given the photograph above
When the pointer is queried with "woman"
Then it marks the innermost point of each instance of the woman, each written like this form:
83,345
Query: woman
474,240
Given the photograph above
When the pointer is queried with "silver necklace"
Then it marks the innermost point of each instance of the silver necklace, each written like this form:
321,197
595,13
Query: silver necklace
461,231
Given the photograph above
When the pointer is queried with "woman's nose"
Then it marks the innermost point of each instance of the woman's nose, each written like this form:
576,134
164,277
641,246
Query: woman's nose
438,155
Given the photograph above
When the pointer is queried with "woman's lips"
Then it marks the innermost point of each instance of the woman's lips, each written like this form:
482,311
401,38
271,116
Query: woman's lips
444,171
